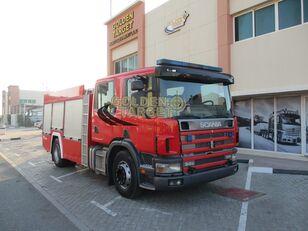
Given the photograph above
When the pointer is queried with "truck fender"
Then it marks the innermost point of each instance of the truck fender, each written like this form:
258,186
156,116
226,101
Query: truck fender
120,145
57,135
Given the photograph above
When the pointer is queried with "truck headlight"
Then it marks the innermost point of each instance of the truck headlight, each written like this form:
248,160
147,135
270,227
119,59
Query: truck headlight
163,168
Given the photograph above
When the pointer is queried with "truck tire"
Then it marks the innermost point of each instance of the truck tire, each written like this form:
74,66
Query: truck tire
125,176
56,155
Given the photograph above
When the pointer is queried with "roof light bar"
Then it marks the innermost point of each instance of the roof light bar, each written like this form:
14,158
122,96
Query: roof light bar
176,63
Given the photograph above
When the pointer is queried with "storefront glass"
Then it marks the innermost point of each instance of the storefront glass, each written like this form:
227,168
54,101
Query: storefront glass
288,124
263,110
243,114
307,125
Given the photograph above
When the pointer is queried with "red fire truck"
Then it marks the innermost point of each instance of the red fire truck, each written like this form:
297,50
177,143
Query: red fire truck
156,128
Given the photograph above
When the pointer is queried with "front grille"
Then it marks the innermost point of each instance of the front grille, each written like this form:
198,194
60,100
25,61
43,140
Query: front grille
293,131
223,142
209,160
202,136
195,142
219,134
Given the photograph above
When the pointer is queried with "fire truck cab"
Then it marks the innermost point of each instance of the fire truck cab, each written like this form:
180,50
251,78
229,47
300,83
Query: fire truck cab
156,128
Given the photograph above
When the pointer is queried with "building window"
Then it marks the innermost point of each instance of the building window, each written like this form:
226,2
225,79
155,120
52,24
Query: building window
305,10
132,62
129,63
124,65
243,26
117,67
265,20
289,13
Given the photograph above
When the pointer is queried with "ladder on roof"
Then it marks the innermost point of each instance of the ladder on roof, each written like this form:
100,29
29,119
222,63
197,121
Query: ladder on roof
84,130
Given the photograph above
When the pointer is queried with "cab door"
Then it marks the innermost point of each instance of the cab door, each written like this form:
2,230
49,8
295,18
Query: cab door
102,129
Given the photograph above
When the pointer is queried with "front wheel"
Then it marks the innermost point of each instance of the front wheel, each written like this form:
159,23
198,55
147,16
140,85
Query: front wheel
125,175
56,155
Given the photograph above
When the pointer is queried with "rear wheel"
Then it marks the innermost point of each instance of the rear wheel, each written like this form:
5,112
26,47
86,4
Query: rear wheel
125,175
56,155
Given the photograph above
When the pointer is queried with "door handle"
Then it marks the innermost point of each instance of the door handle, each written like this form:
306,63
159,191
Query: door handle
96,130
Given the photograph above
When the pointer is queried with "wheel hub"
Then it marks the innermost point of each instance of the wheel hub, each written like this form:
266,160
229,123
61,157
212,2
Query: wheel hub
123,175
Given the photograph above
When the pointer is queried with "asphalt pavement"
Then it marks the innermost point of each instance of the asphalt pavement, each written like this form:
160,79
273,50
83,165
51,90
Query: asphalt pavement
22,207
254,198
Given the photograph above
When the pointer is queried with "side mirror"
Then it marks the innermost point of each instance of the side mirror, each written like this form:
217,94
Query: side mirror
137,85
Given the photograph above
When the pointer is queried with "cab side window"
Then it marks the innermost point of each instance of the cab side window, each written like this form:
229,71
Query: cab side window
147,82
104,93
128,87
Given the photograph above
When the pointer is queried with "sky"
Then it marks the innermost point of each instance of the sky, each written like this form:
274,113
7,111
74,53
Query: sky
55,44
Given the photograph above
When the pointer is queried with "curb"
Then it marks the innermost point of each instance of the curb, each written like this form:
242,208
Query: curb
290,172
14,138
274,170
243,161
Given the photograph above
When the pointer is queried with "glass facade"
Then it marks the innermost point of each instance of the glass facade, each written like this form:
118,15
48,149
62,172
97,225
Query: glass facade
288,122
263,110
243,114
289,13
275,128
306,124
243,26
265,20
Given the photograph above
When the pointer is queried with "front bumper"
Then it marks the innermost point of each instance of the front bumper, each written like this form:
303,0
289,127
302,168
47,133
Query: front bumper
161,183
290,139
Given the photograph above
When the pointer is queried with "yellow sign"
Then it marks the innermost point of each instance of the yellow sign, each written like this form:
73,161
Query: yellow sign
123,25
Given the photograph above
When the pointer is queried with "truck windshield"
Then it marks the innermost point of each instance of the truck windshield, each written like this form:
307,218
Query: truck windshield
294,120
195,100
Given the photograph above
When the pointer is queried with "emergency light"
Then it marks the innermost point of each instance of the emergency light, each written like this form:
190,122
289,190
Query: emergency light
169,62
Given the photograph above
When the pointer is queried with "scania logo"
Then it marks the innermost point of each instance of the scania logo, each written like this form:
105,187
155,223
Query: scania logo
210,124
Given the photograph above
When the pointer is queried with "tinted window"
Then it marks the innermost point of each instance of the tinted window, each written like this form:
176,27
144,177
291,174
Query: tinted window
305,10
243,26
289,13
265,20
